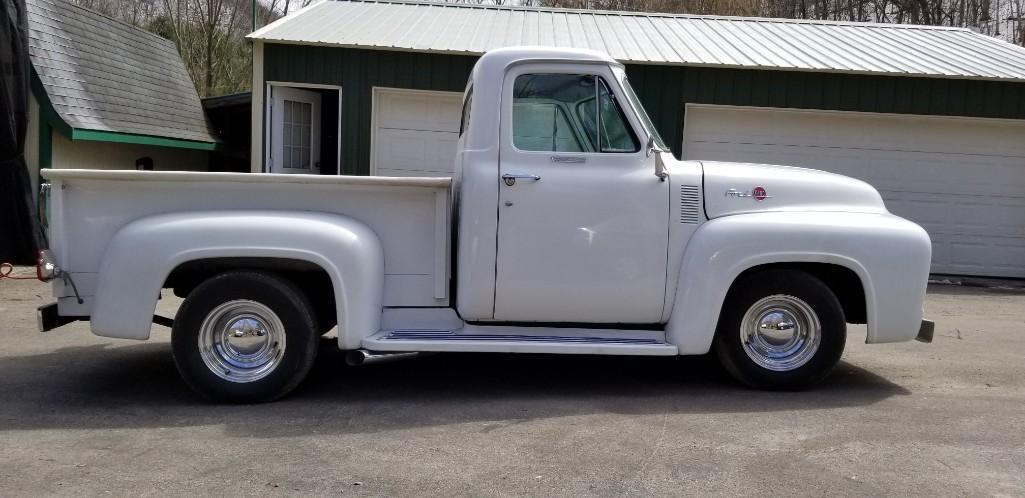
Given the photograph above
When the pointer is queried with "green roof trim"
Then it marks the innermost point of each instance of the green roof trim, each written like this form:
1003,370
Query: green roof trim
49,116
131,138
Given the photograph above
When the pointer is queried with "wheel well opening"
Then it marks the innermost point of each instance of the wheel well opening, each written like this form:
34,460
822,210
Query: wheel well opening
313,280
844,283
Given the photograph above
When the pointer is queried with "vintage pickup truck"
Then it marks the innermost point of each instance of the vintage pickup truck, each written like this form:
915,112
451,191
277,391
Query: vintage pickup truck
567,228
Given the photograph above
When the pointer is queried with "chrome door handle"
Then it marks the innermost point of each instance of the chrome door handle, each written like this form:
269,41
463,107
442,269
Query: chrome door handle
510,178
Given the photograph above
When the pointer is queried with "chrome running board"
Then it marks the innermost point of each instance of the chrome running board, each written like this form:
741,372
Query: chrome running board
524,340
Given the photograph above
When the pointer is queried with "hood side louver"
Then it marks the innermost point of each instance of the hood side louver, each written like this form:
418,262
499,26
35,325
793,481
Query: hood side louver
690,204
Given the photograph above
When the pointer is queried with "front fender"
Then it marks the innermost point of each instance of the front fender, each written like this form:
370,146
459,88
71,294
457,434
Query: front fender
143,253
889,254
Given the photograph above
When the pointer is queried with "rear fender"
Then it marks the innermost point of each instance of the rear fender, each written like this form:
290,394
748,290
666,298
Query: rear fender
890,256
143,253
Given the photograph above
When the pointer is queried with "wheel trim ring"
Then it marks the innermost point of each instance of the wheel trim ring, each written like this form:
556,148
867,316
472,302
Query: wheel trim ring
226,359
770,348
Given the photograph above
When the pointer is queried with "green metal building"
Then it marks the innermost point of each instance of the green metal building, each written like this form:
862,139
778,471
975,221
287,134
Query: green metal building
933,117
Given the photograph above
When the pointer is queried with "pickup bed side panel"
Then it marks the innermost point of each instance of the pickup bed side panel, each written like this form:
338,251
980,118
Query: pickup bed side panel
143,253
889,254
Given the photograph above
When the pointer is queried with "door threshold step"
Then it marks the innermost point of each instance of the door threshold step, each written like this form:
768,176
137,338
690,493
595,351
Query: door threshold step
548,341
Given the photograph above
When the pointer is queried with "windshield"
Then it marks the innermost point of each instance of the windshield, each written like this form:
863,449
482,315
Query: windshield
639,109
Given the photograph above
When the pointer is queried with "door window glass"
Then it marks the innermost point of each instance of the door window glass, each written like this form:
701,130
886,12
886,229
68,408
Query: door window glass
558,113
541,111
296,137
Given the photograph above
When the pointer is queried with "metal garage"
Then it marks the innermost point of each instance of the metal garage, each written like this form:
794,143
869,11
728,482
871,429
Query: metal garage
963,179
933,117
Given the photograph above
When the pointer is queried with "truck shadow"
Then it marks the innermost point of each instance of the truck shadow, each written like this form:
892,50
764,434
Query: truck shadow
137,386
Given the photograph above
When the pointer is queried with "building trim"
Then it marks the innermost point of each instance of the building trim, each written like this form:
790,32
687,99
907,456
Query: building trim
131,138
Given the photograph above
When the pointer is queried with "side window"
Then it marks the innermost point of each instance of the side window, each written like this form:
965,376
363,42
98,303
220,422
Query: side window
465,120
569,113
542,117
613,130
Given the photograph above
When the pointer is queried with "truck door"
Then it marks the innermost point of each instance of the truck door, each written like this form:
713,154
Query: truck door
583,220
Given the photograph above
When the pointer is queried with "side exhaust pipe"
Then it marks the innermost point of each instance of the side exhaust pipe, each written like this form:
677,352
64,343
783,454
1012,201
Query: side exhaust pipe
359,357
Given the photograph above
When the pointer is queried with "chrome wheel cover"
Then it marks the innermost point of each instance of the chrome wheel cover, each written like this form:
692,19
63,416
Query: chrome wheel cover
780,332
242,341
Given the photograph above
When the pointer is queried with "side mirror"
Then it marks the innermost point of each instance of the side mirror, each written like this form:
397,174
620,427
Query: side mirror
660,167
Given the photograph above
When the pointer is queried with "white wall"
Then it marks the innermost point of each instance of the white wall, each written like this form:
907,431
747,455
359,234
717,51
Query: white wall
85,154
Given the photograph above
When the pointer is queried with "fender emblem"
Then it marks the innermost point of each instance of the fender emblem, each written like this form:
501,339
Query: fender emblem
758,193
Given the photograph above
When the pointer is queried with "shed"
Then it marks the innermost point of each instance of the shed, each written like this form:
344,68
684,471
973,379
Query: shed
931,116
108,95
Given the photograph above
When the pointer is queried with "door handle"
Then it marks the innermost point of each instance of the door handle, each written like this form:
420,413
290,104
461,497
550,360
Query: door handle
510,178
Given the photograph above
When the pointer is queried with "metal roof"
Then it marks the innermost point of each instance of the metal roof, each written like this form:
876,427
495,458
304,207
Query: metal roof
102,74
649,38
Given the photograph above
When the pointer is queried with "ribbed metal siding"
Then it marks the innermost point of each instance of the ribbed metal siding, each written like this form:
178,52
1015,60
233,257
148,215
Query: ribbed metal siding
665,90
647,38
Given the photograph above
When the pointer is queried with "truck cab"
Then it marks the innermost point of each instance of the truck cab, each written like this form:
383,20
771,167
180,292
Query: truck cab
568,228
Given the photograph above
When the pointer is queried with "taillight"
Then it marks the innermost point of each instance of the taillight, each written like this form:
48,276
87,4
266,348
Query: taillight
46,267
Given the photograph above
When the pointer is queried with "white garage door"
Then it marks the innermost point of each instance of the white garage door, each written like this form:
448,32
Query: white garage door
415,132
963,179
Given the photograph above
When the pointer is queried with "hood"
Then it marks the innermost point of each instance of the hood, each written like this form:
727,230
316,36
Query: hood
735,188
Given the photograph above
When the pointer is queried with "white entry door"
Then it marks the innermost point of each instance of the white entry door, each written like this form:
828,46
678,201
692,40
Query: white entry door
582,218
962,179
295,130
415,132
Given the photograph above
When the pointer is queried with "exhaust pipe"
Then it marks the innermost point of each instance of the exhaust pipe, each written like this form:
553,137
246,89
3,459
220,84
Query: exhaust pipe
359,357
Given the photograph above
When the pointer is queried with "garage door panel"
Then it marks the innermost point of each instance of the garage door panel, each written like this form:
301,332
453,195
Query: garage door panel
855,130
413,150
415,132
963,180
416,111
412,173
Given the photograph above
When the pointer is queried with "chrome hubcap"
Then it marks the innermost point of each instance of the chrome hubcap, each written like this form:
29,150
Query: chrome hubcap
780,332
242,341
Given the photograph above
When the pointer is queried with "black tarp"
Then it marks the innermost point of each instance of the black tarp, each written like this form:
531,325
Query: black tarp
17,221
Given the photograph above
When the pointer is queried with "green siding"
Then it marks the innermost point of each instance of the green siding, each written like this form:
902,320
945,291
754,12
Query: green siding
358,72
664,90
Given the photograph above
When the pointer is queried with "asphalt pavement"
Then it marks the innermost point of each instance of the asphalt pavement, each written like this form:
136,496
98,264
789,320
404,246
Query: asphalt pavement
84,415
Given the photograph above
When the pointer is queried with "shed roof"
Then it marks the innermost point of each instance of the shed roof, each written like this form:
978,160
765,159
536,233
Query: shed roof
104,75
650,38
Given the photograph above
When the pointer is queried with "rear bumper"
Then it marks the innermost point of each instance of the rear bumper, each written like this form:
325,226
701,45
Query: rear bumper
48,318
925,331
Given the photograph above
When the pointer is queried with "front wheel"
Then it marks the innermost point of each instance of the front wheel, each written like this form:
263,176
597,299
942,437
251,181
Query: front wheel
244,337
780,329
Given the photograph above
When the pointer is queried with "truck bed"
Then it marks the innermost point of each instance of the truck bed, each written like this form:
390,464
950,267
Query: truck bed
410,215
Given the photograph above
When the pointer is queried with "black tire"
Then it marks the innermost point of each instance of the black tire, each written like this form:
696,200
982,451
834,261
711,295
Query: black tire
754,290
290,307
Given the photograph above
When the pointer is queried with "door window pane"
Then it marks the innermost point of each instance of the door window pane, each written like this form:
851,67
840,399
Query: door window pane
541,117
296,134
558,113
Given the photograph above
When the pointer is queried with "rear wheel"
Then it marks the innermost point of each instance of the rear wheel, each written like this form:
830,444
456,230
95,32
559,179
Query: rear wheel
244,337
780,329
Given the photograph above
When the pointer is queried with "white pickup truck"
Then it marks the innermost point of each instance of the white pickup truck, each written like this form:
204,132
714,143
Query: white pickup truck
567,228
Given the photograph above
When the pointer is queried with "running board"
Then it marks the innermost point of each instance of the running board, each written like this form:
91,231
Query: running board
489,339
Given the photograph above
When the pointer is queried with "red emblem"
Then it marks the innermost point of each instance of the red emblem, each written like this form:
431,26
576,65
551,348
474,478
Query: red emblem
759,194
